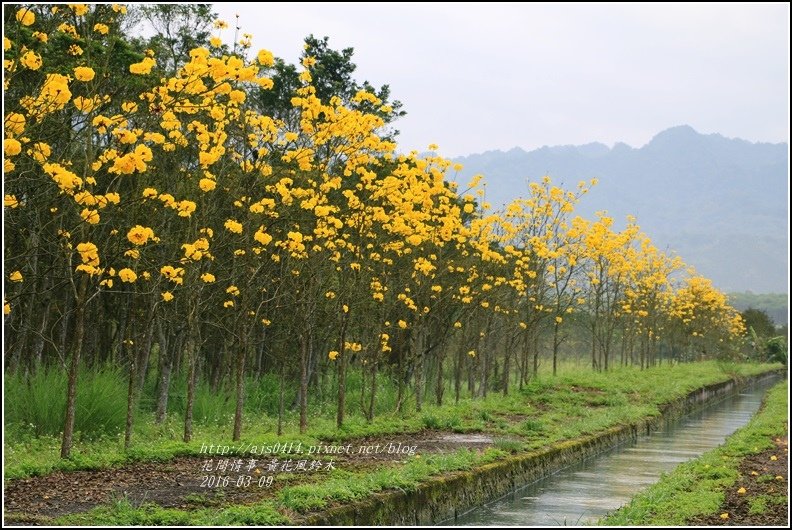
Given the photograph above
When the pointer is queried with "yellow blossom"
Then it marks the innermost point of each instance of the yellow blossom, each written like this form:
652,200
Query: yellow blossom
265,58
233,226
414,240
143,67
167,296
79,9
186,208
14,123
84,73
172,273
139,235
90,216
127,275
207,184
40,152
12,147
31,60
262,237
25,16
16,276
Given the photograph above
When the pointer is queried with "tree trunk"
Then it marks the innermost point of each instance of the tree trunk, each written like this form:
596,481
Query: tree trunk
71,390
166,364
303,383
145,354
556,344
419,369
439,381
342,369
240,387
458,369
535,341
191,347
130,414
506,365
38,342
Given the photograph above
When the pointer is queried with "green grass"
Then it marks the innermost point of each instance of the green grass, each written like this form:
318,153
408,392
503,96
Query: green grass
35,406
508,445
341,486
347,487
697,487
124,513
546,411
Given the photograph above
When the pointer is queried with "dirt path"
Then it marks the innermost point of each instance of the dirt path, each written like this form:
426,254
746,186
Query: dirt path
187,483
765,500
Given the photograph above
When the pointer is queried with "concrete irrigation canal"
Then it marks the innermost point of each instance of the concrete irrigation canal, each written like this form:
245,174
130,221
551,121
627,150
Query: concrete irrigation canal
587,490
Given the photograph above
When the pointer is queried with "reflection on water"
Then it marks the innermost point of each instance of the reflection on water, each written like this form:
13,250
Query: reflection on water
586,491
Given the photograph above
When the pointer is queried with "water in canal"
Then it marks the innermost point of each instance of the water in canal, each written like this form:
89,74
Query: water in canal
588,490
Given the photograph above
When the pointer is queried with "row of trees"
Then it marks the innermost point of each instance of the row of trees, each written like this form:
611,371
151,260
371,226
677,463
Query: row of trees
239,216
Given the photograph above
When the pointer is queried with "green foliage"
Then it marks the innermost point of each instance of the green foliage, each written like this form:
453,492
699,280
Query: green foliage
765,342
178,29
332,76
777,350
759,321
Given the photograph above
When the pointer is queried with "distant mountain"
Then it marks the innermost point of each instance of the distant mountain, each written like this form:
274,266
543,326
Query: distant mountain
720,203
775,305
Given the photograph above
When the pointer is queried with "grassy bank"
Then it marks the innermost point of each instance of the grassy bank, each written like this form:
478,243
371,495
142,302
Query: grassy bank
547,410
699,488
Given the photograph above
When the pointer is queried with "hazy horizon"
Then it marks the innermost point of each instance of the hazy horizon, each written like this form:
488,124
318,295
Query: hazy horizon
544,74
614,144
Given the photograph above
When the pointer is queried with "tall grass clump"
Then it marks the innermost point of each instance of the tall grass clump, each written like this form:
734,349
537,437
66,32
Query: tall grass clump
36,403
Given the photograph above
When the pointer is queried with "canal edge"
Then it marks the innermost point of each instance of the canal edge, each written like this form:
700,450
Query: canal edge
445,497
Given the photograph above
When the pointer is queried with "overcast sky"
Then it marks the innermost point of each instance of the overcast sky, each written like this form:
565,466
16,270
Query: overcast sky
475,77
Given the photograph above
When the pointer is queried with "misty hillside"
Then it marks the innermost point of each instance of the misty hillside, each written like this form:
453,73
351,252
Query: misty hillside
720,203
